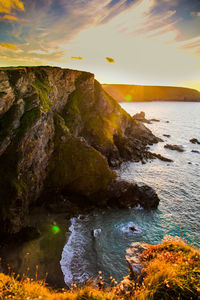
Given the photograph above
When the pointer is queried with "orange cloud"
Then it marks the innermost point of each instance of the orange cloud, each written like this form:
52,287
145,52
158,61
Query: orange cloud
9,46
10,18
7,5
77,57
110,59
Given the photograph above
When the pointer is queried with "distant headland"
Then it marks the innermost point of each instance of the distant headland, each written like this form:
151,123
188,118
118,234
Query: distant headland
140,93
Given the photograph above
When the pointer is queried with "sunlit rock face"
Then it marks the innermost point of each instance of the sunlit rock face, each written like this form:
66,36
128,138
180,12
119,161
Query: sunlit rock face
59,130
134,93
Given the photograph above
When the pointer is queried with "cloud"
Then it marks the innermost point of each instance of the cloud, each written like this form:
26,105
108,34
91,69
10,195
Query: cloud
110,60
6,6
134,32
9,46
195,13
11,18
77,57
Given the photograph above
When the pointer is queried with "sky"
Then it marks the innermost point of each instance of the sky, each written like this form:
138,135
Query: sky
153,42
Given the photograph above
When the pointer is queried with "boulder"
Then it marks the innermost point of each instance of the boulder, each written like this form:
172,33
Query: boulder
194,141
123,194
167,135
195,151
178,148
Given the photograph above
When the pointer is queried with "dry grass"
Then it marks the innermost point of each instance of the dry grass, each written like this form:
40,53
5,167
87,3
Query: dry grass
171,270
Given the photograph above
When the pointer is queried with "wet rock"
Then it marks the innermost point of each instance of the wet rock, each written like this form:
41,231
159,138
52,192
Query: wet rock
194,141
178,148
195,151
167,135
132,228
159,156
123,194
154,120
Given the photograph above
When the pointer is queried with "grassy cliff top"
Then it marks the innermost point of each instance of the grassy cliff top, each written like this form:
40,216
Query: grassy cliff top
171,270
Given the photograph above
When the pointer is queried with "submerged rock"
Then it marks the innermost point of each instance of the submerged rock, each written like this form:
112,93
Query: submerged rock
178,148
195,151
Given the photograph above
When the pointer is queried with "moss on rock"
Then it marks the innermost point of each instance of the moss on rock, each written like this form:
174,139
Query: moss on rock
76,165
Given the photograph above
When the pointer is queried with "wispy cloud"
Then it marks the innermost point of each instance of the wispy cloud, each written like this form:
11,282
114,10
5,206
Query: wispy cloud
142,35
9,46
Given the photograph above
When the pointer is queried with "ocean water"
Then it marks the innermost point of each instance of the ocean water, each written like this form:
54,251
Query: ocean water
178,187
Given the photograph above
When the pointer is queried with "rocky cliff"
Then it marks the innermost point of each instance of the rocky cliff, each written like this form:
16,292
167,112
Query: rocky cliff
59,132
137,93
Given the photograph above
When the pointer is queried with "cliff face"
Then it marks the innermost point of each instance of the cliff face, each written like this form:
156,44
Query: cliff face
137,93
59,130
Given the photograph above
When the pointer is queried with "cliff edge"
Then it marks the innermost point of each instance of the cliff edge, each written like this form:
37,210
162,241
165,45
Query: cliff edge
140,93
60,132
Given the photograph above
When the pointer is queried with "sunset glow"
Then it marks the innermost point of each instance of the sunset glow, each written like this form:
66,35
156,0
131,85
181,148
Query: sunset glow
122,41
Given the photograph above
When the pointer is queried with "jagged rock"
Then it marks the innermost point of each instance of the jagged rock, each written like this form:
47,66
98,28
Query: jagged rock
159,156
59,131
194,141
178,148
141,117
133,254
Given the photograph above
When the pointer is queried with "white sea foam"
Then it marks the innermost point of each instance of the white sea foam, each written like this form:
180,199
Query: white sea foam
97,232
126,228
73,264
67,255
138,207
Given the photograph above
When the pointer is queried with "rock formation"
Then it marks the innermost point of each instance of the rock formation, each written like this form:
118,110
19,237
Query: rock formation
178,148
141,117
59,132
194,141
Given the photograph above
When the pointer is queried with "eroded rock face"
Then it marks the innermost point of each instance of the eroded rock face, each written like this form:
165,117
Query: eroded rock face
59,130
133,254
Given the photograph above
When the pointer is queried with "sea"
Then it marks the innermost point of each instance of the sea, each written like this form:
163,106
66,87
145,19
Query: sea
98,241
78,249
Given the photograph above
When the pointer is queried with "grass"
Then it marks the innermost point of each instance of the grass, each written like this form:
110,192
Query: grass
171,270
